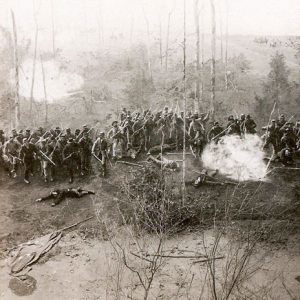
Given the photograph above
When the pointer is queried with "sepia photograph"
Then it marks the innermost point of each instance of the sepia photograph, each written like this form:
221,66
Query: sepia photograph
149,149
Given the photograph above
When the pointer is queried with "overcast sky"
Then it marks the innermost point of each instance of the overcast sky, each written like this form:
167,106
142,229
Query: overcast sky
73,18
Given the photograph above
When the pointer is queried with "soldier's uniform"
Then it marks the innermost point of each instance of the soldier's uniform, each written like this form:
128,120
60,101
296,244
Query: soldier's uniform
85,145
27,153
11,150
99,149
250,125
216,132
60,194
70,158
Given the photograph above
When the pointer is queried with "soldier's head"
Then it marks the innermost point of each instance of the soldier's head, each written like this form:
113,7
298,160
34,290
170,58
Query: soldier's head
1,132
216,123
101,134
54,193
248,117
68,130
77,131
196,115
14,133
85,127
282,117
297,125
114,123
231,118
27,131
273,122
70,141
242,117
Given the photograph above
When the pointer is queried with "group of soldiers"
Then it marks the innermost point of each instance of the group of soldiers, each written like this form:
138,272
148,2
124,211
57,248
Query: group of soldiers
58,150
284,137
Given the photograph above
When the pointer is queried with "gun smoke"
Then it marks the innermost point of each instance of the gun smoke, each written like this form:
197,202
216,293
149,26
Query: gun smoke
239,158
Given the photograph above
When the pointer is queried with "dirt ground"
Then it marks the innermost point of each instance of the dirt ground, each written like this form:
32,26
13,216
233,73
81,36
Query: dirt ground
82,264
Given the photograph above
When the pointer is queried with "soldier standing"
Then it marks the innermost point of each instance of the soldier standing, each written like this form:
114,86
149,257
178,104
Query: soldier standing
99,151
85,145
27,153
70,158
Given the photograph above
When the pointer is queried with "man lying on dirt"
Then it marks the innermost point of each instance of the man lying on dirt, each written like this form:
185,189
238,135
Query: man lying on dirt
164,163
60,194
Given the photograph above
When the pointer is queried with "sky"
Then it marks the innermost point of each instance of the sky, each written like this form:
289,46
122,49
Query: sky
84,25
73,19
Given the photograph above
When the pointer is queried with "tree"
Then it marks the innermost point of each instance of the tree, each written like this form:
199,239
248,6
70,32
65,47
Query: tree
213,55
277,84
16,66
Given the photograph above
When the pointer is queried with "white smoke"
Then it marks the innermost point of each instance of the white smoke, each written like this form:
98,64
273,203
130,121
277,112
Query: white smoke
237,158
58,83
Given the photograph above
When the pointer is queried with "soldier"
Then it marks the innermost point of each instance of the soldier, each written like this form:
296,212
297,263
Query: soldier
289,138
216,132
70,158
45,152
197,136
164,163
117,140
250,125
77,133
60,194
233,126
99,151
281,121
11,149
2,138
69,134
286,156
149,126
242,123
85,145
128,131
27,153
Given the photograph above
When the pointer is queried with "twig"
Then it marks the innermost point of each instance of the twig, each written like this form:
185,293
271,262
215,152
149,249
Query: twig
177,256
208,259
140,257
129,163
74,225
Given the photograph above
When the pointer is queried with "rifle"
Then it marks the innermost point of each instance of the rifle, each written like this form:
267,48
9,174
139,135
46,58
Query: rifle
47,158
97,158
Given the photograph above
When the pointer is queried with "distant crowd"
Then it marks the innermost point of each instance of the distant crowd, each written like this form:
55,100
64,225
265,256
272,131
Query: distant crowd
64,152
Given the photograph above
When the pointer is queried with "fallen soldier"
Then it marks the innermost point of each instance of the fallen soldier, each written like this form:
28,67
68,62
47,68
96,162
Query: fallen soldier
164,163
208,177
164,148
60,194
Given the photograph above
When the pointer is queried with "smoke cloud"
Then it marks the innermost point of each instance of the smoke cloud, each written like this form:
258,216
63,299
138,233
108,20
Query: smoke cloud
58,83
237,158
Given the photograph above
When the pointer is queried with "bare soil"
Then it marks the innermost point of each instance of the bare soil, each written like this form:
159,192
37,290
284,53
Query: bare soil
80,265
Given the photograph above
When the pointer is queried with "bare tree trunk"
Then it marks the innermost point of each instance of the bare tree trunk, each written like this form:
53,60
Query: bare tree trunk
160,44
184,103
226,48
213,56
45,93
221,36
33,66
148,44
53,29
197,91
167,41
17,83
202,60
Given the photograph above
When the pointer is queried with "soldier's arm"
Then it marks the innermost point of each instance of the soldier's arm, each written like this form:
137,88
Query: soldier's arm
94,146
